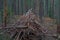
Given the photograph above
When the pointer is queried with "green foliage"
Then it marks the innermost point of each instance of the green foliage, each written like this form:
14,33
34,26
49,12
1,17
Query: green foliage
10,11
1,16
50,14
4,37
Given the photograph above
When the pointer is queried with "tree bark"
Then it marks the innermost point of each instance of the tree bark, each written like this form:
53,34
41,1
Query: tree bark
5,13
36,7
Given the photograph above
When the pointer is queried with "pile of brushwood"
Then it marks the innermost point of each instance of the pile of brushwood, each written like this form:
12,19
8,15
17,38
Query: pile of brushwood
35,29
29,27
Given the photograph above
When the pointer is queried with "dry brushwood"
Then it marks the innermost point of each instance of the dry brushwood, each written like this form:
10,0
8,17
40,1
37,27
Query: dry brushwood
27,27
50,25
33,30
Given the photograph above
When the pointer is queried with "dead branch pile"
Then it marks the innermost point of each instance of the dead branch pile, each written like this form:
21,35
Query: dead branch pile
35,30
28,27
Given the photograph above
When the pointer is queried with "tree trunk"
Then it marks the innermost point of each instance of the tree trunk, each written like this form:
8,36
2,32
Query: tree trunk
5,13
36,7
41,9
